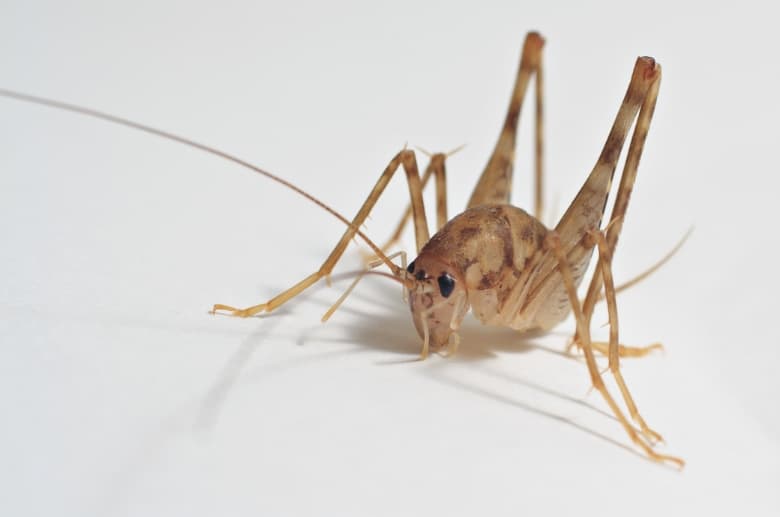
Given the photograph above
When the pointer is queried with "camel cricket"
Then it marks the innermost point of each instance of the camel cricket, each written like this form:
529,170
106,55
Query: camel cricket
494,258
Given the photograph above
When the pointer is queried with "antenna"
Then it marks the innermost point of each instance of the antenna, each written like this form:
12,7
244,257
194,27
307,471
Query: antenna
89,112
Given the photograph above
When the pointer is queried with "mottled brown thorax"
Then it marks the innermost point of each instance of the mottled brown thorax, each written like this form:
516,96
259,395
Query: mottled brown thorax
488,247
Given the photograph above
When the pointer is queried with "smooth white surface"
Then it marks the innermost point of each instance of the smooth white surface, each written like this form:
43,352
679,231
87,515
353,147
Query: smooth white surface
120,395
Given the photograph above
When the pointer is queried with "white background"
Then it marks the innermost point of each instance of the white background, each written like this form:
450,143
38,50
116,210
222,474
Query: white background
120,395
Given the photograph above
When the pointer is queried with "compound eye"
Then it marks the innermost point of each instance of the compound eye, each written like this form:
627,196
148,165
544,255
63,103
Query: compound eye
446,284
410,267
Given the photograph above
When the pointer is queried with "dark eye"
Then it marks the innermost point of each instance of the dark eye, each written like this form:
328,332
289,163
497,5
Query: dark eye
446,284
410,267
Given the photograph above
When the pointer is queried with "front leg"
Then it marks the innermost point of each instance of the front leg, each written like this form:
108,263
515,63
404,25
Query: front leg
436,167
405,159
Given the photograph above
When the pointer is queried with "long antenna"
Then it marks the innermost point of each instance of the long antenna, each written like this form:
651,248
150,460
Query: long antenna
205,148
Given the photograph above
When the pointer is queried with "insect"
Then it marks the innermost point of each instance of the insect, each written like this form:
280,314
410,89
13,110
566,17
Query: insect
495,259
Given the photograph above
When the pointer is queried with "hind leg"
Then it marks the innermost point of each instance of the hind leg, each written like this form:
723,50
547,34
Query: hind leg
553,243
495,183
613,352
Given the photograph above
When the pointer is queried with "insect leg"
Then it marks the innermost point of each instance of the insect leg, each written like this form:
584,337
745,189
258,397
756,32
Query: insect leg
587,209
623,350
495,183
605,260
553,242
408,162
436,167
630,351
650,74
539,141
369,266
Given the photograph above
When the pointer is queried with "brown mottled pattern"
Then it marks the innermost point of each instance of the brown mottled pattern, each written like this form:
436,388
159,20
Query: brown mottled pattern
495,183
510,269
498,239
